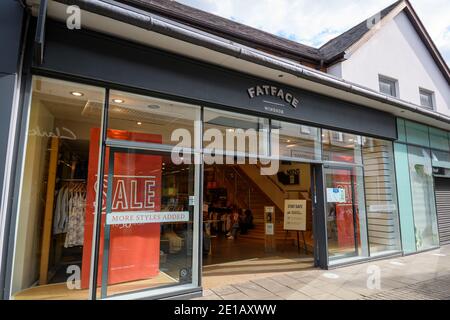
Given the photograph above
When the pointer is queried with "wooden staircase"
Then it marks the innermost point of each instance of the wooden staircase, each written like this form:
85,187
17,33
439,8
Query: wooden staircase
238,184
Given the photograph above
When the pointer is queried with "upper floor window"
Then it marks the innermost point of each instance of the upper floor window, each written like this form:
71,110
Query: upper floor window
388,86
426,98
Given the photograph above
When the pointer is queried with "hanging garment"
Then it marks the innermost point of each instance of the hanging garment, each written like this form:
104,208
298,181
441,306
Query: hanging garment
75,225
61,213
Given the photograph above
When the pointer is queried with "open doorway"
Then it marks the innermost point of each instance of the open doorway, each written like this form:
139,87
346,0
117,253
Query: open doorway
248,229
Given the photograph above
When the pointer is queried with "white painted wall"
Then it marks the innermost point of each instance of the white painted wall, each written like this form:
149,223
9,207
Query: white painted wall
397,51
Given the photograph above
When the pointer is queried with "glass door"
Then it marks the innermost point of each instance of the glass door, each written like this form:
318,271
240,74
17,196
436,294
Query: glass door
345,214
148,213
147,232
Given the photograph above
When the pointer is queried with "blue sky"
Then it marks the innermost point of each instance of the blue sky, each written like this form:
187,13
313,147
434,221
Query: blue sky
313,22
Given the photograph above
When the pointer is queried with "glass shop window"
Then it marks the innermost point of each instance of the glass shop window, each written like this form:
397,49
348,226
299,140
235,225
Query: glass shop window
51,236
381,197
341,147
297,141
235,134
147,230
422,189
130,115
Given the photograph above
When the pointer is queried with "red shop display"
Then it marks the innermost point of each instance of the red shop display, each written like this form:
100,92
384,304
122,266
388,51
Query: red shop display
134,248
344,211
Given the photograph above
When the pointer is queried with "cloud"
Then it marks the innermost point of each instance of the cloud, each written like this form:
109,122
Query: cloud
314,22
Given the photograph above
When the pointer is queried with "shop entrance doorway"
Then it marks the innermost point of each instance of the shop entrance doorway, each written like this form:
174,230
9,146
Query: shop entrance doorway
249,226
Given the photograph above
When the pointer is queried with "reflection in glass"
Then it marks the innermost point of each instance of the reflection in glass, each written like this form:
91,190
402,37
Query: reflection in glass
439,139
142,114
51,215
236,132
341,147
297,141
440,158
346,226
380,194
424,208
147,223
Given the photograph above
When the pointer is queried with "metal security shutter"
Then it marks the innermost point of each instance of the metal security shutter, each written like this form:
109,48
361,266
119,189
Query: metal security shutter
442,186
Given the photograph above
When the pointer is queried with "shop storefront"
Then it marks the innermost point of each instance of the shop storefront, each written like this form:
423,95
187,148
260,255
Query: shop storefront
148,122
423,161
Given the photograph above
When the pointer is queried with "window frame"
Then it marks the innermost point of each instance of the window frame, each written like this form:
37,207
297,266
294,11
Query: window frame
430,94
394,88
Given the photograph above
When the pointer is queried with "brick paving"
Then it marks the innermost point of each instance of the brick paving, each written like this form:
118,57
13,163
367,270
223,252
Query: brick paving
423,276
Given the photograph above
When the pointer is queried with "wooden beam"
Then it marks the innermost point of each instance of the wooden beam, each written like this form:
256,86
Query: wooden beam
48,216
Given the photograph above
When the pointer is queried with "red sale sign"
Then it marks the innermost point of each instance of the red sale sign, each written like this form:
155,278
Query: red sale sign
134,248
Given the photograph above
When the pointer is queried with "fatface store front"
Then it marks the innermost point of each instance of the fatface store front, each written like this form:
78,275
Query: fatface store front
170,139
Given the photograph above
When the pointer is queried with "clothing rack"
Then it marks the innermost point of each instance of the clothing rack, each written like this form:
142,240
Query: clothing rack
55,147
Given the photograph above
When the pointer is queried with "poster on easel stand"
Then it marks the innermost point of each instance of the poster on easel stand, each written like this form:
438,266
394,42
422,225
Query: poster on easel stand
295,212
269,226
295,215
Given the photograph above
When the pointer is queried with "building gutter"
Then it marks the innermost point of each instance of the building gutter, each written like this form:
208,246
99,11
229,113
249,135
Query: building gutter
167,27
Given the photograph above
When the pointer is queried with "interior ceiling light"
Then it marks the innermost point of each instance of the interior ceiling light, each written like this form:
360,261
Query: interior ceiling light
118,100
139,123
77,93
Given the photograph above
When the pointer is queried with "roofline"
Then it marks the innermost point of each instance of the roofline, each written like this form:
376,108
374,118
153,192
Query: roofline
405,6
428,41
117,11
317,60
282,51
399,6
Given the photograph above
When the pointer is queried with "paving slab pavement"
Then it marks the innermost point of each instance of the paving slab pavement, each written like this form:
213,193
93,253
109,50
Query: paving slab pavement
423,276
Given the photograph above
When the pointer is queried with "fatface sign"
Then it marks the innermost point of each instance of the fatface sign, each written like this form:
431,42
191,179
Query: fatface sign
273,91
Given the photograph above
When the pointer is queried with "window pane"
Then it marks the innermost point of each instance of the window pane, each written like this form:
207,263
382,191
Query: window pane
342,147
346,218
297,141
401,130
420,171
440,159
426,99
387,87
147,229
135,114
417,133
405,198
51,239
236,133
439,139
380,191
